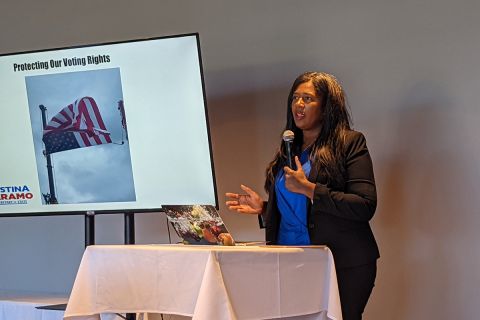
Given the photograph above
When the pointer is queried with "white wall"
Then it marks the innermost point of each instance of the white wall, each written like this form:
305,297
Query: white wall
410,69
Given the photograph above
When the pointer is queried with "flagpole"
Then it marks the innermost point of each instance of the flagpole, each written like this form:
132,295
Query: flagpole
51,199
121,108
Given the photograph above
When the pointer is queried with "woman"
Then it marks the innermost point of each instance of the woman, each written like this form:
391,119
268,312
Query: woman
330,196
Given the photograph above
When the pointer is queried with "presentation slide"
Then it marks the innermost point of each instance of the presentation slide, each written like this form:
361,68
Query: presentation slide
119,127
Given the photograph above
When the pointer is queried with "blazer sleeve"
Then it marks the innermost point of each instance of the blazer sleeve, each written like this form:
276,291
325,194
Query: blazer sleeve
358,200
262,217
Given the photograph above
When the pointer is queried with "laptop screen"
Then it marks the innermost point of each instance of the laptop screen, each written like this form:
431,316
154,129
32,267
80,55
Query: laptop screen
198,224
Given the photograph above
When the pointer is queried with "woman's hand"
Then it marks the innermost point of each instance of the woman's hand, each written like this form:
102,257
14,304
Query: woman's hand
250,202
296,181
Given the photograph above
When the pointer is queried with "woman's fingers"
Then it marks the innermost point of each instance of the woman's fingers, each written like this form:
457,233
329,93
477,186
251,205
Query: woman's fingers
250,202
240,208
245,188
299,164
249,191
288,170
232,195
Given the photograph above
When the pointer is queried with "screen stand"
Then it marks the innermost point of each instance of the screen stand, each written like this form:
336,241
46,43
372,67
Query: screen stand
89,228
129,228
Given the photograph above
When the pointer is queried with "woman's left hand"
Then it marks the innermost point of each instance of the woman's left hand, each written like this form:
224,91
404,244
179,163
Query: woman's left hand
296,181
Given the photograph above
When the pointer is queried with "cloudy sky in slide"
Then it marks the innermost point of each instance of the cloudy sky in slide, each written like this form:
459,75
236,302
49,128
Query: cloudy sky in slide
94,174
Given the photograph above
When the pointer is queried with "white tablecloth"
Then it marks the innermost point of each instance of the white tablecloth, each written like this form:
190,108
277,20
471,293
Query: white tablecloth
206,282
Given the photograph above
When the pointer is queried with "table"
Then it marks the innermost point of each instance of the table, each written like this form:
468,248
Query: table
206,282
23,305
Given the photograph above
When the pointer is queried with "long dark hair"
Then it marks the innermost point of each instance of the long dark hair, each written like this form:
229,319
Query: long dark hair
328,149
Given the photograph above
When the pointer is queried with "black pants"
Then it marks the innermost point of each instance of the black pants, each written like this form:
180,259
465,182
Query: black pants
355,286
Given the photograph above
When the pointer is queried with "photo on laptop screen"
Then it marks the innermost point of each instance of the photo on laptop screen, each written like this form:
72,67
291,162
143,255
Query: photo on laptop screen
198,224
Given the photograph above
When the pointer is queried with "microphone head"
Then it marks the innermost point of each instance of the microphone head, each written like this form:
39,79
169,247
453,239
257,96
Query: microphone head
288,136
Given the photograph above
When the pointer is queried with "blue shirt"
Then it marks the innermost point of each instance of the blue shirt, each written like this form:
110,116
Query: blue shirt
293,209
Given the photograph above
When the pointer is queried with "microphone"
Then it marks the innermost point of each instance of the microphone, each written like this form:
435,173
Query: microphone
287,138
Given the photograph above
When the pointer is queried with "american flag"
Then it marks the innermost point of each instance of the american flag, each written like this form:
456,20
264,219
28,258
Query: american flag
78,125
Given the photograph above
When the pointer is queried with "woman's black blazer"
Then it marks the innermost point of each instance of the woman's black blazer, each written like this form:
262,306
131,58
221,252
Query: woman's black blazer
338,217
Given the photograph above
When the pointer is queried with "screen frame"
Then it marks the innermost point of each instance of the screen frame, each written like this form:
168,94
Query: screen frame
140,210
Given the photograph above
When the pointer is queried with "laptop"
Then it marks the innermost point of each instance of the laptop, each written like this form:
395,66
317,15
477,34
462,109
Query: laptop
198,224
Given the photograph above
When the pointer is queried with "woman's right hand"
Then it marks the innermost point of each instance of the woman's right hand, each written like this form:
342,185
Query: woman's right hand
250,202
